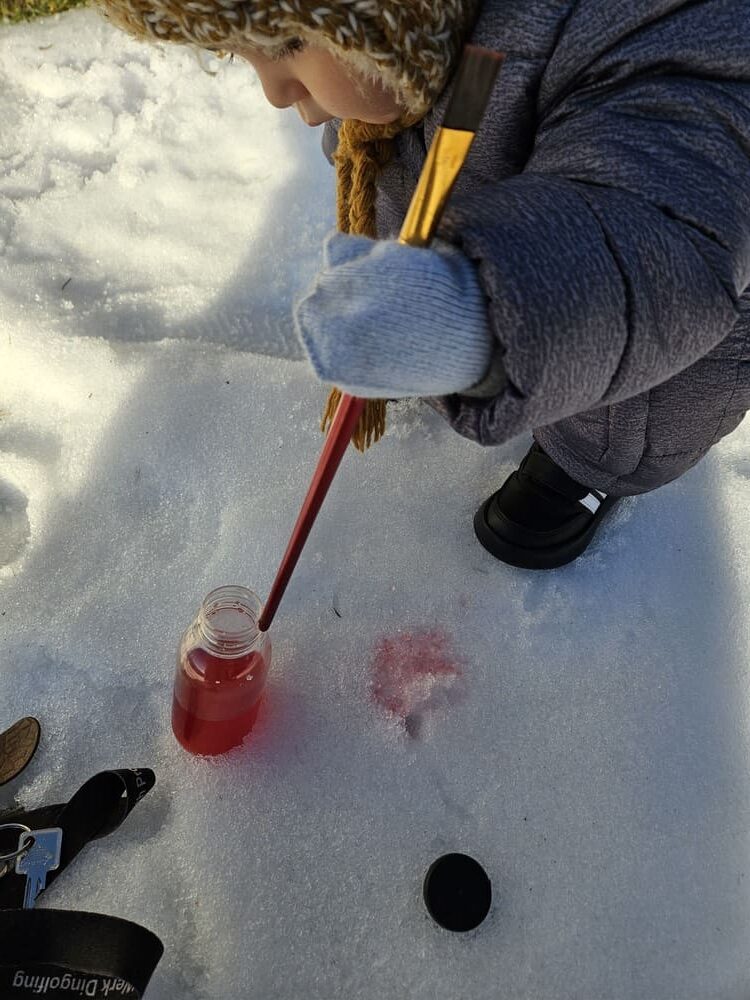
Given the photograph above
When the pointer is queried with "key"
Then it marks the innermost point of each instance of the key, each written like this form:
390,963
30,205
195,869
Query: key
42,857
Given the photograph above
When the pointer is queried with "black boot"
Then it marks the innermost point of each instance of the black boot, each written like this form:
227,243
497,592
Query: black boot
540,518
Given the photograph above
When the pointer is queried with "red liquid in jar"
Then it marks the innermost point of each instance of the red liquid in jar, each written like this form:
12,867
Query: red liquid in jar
216,700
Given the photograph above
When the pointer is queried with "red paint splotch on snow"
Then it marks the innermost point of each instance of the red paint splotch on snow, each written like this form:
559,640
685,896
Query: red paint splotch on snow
415,673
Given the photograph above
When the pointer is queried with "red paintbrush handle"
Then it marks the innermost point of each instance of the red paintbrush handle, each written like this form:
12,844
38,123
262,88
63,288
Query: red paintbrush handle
337,441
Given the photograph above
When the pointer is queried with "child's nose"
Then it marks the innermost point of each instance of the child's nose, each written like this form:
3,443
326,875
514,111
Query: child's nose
283,92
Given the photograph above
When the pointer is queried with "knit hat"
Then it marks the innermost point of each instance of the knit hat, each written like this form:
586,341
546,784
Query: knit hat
411,46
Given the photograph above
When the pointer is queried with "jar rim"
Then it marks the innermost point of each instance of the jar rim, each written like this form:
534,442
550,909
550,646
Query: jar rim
233,641
232,593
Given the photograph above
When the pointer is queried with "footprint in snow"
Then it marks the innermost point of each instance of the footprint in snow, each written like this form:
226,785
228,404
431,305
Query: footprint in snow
415,675
14,523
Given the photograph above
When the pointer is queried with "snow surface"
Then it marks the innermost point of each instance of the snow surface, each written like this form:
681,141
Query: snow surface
584,733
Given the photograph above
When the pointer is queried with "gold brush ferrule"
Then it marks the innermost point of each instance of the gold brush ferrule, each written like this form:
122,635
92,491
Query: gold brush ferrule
447,155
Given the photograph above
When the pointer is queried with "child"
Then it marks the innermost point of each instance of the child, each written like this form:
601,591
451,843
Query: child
590,280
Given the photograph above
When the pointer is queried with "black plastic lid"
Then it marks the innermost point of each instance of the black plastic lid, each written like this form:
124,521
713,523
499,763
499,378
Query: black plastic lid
457,892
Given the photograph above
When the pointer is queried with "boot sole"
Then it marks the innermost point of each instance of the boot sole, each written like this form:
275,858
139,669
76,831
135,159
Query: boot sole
552,557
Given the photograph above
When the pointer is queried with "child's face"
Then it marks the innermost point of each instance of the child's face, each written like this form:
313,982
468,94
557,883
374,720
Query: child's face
319,86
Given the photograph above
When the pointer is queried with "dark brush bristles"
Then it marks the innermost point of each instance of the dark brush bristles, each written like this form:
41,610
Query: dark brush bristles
475,79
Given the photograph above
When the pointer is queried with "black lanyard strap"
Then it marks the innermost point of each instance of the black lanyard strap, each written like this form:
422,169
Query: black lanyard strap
96,810
71,954
66,953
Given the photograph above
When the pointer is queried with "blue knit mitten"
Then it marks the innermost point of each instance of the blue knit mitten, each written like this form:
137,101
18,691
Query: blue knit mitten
384,319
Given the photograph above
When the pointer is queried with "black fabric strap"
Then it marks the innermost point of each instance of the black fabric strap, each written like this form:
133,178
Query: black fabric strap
56,953
96,810
540,468
61,953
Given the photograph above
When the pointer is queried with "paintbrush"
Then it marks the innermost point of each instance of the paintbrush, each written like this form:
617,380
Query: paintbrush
473,85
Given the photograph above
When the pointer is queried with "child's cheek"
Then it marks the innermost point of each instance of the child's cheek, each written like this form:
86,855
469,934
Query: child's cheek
343,97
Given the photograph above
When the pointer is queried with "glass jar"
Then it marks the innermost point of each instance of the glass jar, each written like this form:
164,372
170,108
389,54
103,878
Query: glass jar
222,663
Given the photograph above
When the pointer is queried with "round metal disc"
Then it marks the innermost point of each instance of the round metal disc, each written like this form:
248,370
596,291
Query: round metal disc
457,892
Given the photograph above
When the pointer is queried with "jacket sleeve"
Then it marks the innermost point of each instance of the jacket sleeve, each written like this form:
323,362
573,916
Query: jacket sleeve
618,257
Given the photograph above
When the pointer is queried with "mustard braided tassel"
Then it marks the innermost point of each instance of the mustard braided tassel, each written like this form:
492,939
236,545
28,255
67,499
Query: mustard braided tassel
363,150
